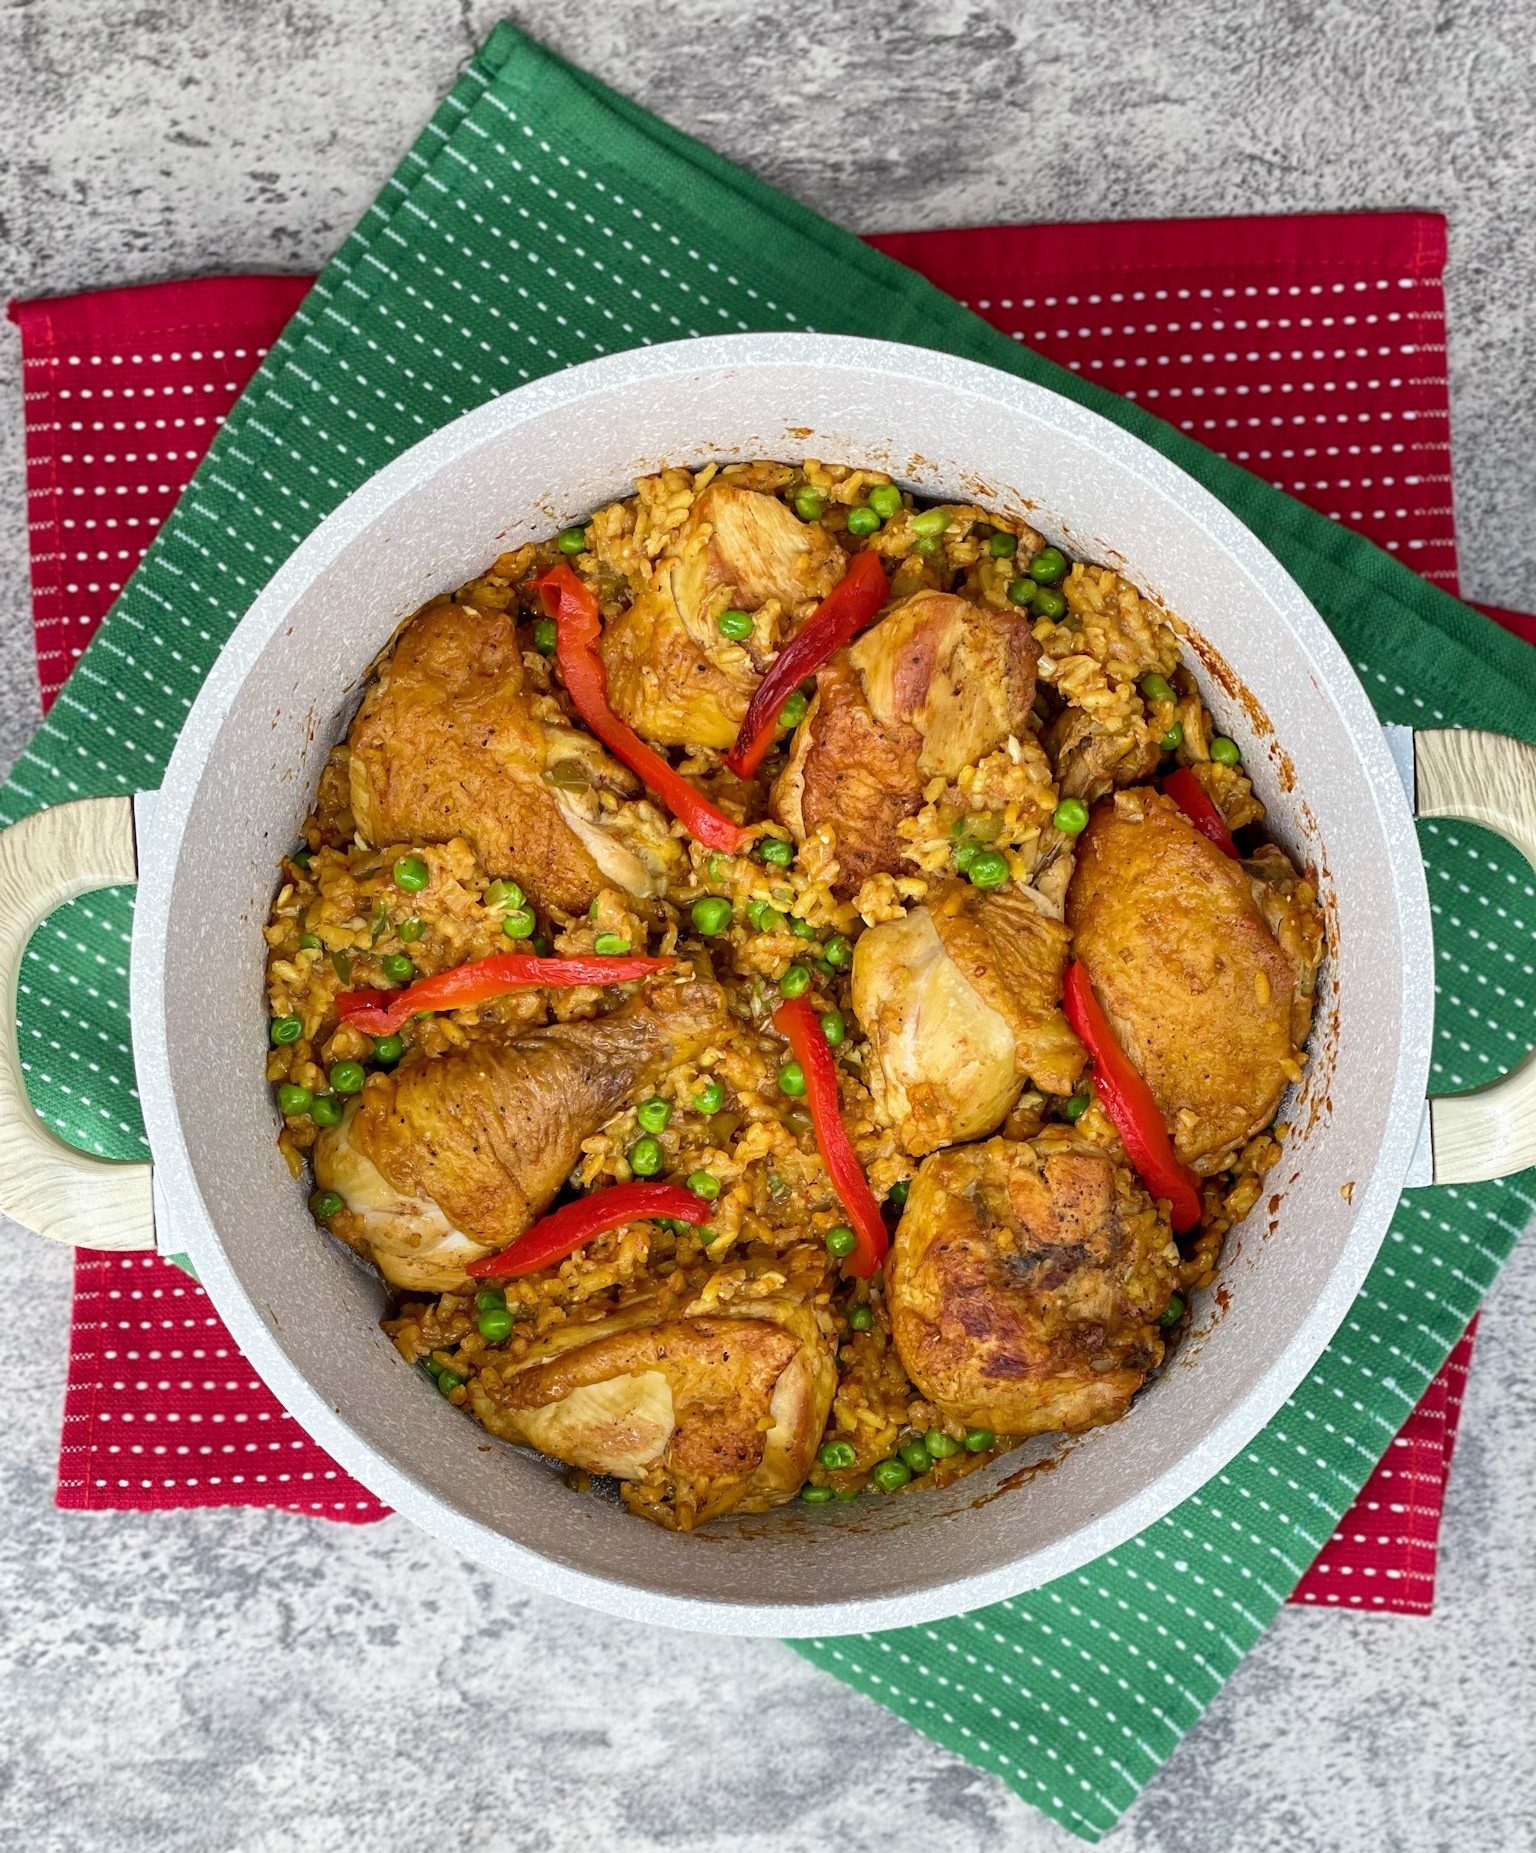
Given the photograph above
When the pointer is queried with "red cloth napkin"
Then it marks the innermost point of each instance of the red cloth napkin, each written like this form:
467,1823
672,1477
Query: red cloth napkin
1311,349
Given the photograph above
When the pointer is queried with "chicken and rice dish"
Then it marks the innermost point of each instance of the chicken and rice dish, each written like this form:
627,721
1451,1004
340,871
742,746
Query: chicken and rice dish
788,988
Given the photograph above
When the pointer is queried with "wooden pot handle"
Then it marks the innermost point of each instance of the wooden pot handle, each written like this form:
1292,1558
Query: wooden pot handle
1489,779
61,1192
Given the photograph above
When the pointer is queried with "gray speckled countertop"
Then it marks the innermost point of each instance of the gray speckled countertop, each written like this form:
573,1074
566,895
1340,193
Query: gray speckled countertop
240,1680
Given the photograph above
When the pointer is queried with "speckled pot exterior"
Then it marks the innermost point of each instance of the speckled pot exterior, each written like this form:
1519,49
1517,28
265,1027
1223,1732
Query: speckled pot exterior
306,1314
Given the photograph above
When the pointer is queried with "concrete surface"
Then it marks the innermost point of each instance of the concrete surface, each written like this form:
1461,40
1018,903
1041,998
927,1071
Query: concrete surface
254,1682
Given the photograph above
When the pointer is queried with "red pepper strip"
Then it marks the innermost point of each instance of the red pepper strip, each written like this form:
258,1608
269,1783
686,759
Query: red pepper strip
1190,796
846,610
380,1013
798,1023
577,629
1129,1103
562,1233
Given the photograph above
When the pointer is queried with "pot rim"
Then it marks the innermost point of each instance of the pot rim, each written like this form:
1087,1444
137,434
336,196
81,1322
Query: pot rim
183,1213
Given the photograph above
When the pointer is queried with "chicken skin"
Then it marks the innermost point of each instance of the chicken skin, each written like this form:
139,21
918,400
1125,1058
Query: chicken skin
933,687
1202,997
961,1002
672,675
1025,1284
711,1412
450,741
441,1161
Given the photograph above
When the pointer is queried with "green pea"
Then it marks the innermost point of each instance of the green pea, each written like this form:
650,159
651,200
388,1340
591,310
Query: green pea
704,1184
978,1440
495,1324
711,915
898,1193
966,851
719,867
841,1241
915,1456
610,945
927,544
309,942
1048,565
490,1297
411,874
411,930
302,858
541,944
653,1114
1001,546
293,1100
776,852
545,636
1022,590
862,521
347,1078
707,1236
860,1318
838,953
325,1111
792,1080
646,1157
891,1475
710,1099
940,1445
793,711
1156,687
1049,602
837,1456
397,967
518,923
988,869
1077,1106
286,1029
1173,739
833,1027
795,981
504,894
1071,817
387,1050
765,918
572,540
816,1495
1224,751
449,1380
930,522
810,506
1172,1313
737,625
885,500
802,929
325,1204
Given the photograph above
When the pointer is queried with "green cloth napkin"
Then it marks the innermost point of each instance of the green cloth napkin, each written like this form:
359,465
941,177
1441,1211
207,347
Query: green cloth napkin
541,220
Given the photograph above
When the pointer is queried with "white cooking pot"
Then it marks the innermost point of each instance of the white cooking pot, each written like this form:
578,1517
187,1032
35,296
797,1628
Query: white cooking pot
205,850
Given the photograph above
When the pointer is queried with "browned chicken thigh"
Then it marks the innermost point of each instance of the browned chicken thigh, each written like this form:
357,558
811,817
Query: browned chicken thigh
444,1160
1202,997
933,687
961,1001
1025,1284
711,1411
672,675
450,741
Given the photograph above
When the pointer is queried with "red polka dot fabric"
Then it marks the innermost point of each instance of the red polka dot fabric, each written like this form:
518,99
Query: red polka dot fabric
1310,349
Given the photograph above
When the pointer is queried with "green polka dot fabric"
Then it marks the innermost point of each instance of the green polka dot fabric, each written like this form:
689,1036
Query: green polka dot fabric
541,220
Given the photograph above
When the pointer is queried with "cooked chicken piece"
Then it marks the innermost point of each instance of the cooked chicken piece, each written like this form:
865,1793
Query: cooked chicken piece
1025,1284
1091,760
709,1412
443,1160
1289,906
451,742
671,674
961,1002
1198,992
936,685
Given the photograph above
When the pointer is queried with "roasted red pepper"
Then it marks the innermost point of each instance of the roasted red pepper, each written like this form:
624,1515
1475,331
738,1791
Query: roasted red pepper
577,631
1192,799
846,610
566,1229
798,1023
1129,1103
380,1013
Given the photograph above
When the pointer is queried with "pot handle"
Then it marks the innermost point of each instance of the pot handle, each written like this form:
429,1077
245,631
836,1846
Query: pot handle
1489,779
64,1194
